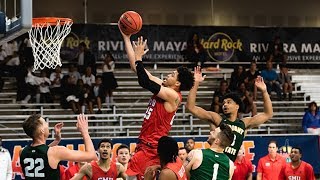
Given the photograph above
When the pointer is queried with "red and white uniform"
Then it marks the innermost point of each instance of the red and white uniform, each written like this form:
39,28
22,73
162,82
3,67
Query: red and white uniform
178,168
271,169
242,169
99,174
71,171
157,123
303,172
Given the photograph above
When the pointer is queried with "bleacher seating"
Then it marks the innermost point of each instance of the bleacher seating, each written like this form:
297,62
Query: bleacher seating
125,117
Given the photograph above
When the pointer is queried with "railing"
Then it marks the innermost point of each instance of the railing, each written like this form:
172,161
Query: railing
130,124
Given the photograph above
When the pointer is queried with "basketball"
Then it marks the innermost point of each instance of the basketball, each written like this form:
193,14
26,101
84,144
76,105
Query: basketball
130,22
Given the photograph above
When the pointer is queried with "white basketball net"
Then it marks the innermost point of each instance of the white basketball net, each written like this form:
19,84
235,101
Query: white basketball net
46,41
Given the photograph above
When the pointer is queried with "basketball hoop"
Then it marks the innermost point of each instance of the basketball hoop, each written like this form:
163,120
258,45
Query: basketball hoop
46,37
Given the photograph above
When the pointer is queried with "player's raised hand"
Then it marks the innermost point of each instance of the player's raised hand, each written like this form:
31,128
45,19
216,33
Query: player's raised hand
125,36
57,130
198,74
260,84
140,48
82,123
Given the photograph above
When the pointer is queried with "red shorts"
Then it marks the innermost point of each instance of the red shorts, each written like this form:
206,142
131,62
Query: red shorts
143,158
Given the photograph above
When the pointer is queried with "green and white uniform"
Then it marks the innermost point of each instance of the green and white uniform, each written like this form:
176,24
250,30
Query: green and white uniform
238,127
35,164
214,166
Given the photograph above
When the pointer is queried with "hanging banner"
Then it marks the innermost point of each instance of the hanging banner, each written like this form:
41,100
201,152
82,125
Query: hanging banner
255,148
221,44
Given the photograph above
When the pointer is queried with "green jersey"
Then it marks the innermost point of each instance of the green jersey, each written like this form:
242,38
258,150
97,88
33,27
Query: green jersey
238,127
35,164
214,166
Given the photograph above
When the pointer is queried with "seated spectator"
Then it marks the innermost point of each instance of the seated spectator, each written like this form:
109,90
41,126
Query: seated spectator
84,94
270,77
237,76
98,94
247,100
55,79
285,81
250,77
218,95
69,97
32,87
45,94
88,77
74,74
311,119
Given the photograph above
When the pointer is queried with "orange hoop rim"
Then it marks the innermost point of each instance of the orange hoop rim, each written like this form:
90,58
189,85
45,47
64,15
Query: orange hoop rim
50,21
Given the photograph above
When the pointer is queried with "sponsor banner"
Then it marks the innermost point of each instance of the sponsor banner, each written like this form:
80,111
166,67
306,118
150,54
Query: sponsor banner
221,44
255,148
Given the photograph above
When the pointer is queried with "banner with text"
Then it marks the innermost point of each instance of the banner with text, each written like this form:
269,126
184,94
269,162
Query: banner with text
221,44
255,148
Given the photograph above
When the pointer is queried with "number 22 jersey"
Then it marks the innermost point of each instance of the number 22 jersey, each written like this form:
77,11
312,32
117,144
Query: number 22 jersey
35,164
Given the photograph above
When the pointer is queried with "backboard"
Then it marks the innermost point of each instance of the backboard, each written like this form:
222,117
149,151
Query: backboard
15,19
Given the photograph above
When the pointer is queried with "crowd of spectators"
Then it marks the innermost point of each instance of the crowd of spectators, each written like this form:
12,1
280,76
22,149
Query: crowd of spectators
78,88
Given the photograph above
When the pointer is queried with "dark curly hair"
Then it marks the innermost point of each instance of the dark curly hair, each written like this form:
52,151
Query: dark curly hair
185,77
236,98
105,140
167,150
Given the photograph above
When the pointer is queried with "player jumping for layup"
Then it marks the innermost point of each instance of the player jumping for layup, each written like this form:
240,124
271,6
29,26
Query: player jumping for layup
161,108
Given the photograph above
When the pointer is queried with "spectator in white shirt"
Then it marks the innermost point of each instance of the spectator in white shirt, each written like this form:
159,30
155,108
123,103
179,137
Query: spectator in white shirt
88,77
5,165
55,79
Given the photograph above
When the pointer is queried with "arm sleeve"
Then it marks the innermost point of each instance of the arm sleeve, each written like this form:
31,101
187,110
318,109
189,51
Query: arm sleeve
144,80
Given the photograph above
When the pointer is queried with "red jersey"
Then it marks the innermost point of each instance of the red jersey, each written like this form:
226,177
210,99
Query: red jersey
303,172
71,171
62,171
271,169
178,168
157,121
242,169
99,174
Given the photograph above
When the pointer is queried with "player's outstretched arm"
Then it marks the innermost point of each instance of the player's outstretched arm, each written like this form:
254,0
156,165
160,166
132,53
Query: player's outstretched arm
129,50
57,134
267,104
197,111
59,153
